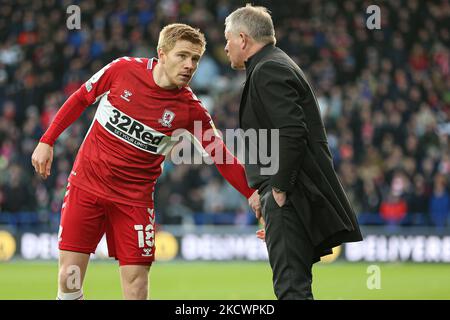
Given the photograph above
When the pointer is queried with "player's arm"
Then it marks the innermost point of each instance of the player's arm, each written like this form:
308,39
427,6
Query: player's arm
227,164
230,168
70,111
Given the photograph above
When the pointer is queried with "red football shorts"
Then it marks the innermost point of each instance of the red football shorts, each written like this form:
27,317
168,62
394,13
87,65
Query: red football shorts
130,230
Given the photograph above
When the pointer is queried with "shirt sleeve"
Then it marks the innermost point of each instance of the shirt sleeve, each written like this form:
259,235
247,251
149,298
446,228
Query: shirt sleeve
203,129
74,106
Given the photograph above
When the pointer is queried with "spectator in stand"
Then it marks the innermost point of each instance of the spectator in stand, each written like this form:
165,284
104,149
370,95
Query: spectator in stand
393,209
17,192
370,198
440,202
418,201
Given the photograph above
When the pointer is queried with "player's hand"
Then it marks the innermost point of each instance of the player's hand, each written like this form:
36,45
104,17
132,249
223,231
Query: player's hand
280,197
255,204
42,159
261,233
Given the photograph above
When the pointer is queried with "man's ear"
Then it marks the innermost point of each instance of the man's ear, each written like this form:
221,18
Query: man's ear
243,40
161,56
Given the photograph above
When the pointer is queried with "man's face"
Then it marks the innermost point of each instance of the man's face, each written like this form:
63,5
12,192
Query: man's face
181,62
234,50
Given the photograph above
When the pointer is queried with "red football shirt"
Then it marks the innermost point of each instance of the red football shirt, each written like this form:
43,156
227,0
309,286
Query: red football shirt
123,152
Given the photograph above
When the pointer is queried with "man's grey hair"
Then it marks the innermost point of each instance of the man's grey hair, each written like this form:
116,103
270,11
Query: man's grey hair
253,21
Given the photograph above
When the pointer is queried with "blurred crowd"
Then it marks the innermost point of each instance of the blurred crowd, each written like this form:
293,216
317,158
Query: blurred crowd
384,96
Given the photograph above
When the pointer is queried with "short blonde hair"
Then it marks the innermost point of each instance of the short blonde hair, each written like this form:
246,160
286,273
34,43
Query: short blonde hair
254,21
171,33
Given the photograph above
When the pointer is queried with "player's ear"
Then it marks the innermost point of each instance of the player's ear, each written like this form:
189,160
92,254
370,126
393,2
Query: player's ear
161,56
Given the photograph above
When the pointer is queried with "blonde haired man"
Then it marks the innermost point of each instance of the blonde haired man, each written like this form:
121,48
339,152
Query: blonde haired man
304,205
110,189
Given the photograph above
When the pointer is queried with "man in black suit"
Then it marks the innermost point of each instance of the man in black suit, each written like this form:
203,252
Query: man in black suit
303,203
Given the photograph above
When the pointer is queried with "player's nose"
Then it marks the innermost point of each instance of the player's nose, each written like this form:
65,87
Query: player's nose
190,64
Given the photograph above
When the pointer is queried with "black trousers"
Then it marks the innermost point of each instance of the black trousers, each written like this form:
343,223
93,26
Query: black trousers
291,252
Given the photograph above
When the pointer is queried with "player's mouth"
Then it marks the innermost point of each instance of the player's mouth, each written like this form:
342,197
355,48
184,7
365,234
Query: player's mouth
185,77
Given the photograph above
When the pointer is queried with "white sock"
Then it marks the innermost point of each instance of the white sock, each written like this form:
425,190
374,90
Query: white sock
77,295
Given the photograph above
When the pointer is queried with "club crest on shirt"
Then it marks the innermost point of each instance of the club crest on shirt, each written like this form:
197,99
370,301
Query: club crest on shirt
126,95
167,118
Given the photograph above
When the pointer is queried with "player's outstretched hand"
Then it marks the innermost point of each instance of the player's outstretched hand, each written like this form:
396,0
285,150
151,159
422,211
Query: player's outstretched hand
255,204
261,233
42,159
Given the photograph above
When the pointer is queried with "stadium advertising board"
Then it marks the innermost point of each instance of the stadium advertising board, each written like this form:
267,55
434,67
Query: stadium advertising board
393,248
224,245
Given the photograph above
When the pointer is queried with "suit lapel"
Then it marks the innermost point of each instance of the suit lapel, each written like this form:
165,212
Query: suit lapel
243,100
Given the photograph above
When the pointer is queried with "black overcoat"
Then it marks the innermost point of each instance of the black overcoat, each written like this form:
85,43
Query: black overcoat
277,95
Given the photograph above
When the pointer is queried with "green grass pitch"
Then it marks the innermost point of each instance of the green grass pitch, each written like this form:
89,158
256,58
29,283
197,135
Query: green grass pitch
231,280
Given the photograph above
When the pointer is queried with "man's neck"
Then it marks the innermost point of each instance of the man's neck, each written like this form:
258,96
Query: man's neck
254,49
160,78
